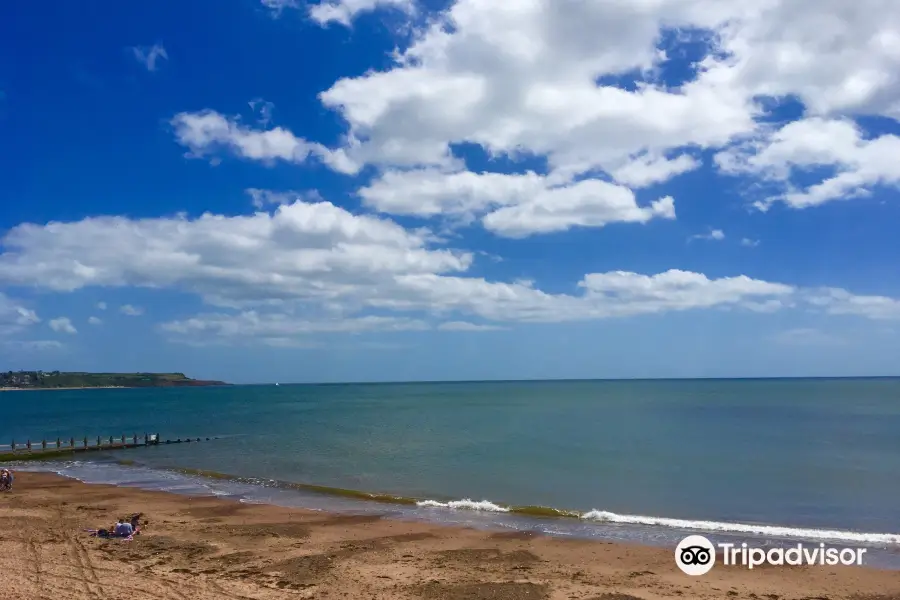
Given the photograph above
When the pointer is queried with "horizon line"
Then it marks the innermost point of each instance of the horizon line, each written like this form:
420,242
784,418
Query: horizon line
577,379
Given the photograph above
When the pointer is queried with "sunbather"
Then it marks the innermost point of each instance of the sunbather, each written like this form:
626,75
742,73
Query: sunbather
123,529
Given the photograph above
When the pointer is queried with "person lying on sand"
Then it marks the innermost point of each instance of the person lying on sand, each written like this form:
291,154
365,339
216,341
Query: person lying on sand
123,529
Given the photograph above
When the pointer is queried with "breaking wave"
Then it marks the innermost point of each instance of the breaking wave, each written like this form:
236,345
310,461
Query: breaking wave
250,489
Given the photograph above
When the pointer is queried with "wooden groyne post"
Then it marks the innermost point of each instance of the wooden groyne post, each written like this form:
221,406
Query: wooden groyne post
70,446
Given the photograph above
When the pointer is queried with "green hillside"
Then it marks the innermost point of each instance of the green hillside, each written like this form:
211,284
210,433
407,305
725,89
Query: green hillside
67,379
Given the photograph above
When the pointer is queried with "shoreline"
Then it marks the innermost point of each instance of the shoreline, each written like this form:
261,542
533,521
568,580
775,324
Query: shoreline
485,514
206,547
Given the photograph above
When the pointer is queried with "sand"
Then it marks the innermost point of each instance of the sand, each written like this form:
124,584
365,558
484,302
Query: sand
207,548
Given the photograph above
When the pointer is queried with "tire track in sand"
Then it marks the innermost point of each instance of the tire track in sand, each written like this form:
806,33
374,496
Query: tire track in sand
87,574
35,561
49,577
222,592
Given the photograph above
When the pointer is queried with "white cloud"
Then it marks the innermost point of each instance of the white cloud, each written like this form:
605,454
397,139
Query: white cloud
858,164
343,11
262,199
586,204
277,6
647,170
94,321
749,243
840,57
716,235
837,301
62,325
312,268
302,250
263,109
466,326
521,80
131,311
14,317
26,316
149,56
101,305
682,290
513,205
207,132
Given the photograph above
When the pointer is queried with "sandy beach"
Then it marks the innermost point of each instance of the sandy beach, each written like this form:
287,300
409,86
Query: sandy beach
205,548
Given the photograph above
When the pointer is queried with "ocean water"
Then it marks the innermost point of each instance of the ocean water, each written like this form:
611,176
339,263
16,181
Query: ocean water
773,460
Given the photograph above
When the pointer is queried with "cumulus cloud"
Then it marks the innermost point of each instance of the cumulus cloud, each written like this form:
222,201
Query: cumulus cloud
130,310
149,56
62,325
651,169
512,205
857,164
749,243
523,80
302,250
94,321
592,90
207,132
311,268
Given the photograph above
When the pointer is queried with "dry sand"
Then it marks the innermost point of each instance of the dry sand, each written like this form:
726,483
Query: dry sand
207,548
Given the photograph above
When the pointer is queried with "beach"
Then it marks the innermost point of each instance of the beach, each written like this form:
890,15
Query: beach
205,547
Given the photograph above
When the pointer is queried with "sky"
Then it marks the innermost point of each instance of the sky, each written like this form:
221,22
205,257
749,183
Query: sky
386,190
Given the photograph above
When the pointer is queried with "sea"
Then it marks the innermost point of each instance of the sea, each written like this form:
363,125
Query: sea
768,461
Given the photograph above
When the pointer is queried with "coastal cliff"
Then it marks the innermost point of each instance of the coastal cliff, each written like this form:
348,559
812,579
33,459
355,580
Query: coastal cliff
66,379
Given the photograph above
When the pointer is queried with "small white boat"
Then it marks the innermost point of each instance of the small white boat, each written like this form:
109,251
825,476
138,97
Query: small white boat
276,384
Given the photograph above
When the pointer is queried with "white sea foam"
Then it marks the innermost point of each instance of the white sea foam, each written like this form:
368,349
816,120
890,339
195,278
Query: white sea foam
482,505
762,530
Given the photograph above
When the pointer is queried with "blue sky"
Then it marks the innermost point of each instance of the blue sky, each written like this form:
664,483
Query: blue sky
354,190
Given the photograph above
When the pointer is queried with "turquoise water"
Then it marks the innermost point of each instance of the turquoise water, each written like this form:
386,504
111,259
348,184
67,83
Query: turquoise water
803,455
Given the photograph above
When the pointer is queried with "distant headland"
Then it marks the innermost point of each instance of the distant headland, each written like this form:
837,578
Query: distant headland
69,380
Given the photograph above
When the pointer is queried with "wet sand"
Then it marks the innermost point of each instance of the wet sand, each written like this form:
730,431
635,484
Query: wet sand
209,548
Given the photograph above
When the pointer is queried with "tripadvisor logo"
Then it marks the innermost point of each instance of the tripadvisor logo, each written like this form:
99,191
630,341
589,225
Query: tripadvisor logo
696,555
